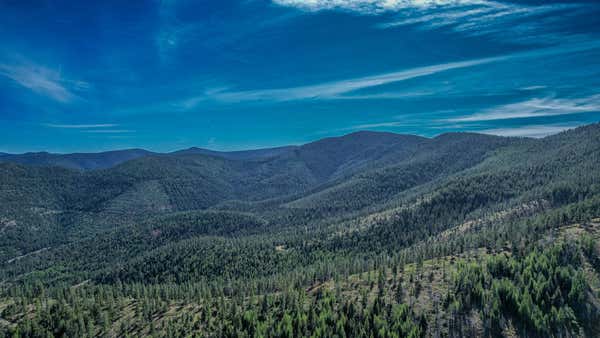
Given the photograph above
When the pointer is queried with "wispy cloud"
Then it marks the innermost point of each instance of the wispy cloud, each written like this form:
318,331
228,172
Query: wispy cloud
372,6
43,80
80,126
536,87
536,107
108,131
470,17
100,128
374,125
518,23
336,88
536,131
342,88
437,19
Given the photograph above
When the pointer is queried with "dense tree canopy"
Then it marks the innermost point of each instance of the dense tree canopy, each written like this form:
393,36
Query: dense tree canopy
363,236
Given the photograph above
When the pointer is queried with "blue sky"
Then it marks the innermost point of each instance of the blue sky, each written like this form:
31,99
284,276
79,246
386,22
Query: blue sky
166,75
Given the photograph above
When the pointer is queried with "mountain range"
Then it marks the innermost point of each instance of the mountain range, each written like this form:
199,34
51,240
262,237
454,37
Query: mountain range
308,217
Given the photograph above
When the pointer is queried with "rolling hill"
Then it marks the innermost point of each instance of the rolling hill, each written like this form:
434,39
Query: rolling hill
460,234
78,161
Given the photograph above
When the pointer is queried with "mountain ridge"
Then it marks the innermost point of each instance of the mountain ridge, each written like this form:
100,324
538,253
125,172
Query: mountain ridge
372,222
107,159
327,178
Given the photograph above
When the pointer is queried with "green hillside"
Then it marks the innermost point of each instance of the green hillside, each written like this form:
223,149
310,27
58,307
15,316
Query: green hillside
365,235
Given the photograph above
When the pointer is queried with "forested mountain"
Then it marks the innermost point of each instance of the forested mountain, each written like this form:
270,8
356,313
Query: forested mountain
323,155
256,154
364,235
79,161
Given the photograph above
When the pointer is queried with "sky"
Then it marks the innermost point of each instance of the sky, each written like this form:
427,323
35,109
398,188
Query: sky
228,75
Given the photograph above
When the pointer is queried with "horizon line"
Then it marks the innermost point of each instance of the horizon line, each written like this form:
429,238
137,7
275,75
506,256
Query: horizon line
497,132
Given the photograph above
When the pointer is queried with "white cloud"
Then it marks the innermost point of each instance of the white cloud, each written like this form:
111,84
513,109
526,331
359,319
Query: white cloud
536,131
437,19
375,125
80,126
506,21
372,6
108,131
42,80
101,128
534,87
336,88
536,107
502,20
345,89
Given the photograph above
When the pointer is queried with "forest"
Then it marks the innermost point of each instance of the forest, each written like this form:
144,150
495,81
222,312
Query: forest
364,235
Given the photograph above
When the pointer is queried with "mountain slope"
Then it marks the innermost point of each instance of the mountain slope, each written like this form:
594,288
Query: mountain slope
242,155
78,161
429,160
446,236
335,177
